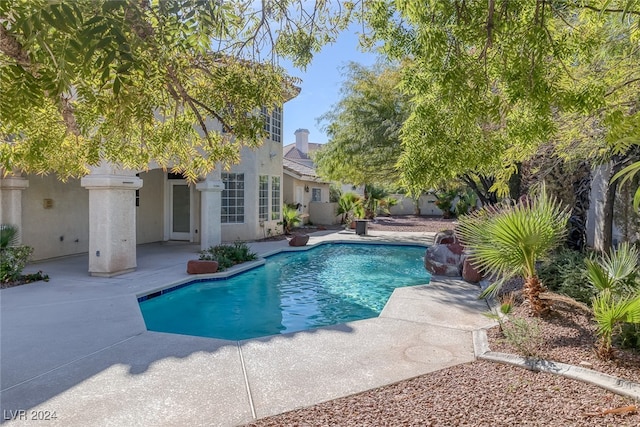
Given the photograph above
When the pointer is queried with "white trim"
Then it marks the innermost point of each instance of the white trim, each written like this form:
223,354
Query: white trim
168,233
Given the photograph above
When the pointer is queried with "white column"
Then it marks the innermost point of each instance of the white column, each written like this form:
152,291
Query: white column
112,220
11,188
210,211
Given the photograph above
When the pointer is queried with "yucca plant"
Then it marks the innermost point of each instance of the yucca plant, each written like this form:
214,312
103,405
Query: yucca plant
618,299
507,241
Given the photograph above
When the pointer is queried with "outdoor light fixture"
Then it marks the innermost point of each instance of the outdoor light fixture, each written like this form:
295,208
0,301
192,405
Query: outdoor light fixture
306,188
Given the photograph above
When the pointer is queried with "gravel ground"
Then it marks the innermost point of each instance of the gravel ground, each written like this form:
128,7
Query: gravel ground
485,393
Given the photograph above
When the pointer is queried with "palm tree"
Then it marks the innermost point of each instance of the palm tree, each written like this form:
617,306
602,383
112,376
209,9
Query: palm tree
507,241
618,299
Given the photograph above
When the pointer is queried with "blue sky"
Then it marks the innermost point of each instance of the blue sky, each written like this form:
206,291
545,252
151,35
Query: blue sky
321,83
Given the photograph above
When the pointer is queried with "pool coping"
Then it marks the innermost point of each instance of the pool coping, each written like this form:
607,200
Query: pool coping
96,346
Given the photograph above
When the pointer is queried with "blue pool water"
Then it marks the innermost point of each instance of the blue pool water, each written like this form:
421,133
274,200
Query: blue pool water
293,291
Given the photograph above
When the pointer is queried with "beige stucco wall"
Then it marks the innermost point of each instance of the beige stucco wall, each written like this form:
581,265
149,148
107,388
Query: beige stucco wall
323,213
289,194
406,205
150,214
62,229
266,160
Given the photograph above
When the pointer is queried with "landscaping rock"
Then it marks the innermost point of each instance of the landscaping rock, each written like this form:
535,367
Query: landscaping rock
469,272
299,240
444,259
445,237
202,267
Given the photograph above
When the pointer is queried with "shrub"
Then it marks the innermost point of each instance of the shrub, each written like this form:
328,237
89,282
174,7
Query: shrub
12,261
565,272
228,255
525,335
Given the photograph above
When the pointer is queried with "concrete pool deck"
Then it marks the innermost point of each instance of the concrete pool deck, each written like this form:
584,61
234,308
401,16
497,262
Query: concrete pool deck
77,346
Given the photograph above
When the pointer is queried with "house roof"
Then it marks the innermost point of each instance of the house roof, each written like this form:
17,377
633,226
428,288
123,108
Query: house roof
300,171
291,152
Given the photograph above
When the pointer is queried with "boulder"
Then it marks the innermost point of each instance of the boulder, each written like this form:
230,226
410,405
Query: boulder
469,272
445,237
444,259
201,267
299,240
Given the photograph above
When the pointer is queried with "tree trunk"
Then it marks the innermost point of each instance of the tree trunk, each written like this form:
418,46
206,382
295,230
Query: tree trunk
532,290
577,236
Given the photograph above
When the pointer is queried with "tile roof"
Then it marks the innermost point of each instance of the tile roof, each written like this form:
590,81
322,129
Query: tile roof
305,172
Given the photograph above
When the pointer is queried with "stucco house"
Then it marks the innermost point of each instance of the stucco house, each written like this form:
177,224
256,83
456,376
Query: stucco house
111,210
301,185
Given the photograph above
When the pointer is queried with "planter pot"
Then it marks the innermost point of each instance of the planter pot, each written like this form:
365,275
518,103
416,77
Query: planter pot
202,267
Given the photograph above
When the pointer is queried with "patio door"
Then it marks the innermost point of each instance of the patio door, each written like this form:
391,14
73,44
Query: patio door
179,210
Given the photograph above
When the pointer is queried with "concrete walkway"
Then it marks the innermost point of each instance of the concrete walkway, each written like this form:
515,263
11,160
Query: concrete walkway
77,346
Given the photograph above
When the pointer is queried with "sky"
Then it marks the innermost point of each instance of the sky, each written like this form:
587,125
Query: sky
321,82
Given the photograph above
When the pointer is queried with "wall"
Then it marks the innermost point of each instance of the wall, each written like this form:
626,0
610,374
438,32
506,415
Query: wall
323,213
62,229
266,160
405,206
427,205
289,194
150,212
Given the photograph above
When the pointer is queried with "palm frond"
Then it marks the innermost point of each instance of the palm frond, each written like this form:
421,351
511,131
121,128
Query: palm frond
509,240
9,235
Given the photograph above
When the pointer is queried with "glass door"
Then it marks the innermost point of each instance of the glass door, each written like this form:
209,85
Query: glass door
180,211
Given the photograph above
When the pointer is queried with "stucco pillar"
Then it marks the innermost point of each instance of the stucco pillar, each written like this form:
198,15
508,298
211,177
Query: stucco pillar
210,211
112,221
11,188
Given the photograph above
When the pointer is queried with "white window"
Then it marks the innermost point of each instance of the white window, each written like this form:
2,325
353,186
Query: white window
273,123
267,120
233,198
275,197
263,198
276,125
316,194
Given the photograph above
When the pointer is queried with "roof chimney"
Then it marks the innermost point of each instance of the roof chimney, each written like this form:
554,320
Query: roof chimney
302,140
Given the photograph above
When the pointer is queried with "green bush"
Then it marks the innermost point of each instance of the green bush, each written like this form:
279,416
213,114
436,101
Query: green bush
228,255
565,272
12,261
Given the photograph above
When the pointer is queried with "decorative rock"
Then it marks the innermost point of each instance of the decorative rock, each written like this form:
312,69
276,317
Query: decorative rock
299,240
469,272
201,267
445,237
444,259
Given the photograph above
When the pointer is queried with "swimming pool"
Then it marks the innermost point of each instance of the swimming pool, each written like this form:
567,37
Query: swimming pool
293,291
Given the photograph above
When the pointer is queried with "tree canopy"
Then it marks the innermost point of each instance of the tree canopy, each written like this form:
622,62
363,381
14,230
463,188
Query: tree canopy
364,128
489,82
175,82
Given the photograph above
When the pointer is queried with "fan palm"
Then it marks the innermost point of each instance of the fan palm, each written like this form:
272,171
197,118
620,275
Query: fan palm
618,300
508,241
8,235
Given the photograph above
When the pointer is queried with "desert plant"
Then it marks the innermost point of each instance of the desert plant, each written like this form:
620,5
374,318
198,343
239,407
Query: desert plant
525,335
618,301
228,255
8,235
611,313
350,206
13,258
466,203
565,272
507,241
290,218
444,202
